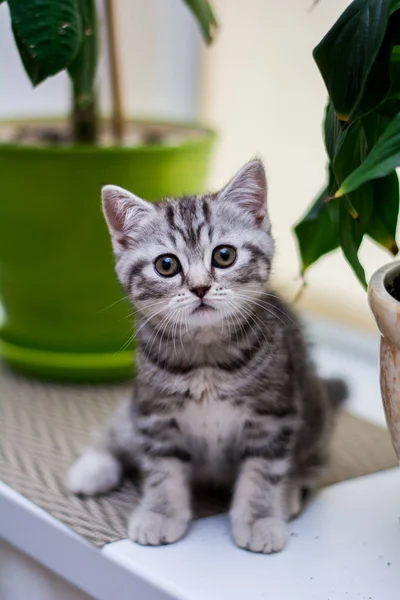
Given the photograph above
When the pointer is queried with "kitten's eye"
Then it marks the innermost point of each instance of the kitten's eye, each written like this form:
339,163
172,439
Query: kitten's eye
223,256
167,265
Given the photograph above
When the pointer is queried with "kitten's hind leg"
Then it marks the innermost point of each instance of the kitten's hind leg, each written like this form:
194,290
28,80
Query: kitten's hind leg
294,500
95,472
299,493
99,470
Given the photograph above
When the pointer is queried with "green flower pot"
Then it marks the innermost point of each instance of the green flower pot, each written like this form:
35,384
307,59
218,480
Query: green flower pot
64,313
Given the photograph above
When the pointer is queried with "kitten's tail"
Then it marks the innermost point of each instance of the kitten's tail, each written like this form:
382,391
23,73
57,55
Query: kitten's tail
338,391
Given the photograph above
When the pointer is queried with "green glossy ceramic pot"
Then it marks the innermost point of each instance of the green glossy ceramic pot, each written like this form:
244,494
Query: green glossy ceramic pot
64,316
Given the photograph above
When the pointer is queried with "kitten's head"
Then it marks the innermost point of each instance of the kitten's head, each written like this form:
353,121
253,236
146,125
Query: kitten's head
193,261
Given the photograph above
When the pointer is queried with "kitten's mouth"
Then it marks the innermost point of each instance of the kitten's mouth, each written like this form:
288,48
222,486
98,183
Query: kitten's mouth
202,307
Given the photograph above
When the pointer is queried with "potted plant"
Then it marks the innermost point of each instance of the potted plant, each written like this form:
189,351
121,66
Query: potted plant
359,60
64,315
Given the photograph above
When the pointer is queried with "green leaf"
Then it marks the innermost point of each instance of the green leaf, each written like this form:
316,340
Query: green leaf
83,69
382,224
383,193
351,235
383,158
204,14
394,91
334,132
353,50
374,125
351,152
317,232
32,67
49,30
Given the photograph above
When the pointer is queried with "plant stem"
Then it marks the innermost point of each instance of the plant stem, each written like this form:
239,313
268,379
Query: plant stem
115,80
83,77
84,118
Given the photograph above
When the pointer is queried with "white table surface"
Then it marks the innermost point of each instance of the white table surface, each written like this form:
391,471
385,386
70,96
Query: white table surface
345,546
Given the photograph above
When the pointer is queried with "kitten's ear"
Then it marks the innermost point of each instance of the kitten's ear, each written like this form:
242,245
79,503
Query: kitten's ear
124,213
248,189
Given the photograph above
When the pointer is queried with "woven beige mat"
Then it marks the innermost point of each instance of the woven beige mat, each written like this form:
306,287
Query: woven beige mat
43,426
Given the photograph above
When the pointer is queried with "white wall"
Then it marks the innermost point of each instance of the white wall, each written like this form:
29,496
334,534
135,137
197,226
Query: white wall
159,47
264,94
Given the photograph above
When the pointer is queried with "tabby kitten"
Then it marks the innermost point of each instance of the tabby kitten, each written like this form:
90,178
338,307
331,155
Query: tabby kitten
225,390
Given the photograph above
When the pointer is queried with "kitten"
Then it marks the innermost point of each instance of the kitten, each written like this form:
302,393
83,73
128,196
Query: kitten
225,390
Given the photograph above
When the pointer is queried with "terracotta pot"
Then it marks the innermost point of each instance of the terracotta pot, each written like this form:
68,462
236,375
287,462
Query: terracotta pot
386,310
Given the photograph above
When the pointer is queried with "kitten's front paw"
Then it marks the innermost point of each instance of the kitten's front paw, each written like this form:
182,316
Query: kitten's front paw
94,473
153,529
263,535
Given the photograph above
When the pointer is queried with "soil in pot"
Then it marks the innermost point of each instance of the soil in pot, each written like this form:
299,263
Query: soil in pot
392,285
57,133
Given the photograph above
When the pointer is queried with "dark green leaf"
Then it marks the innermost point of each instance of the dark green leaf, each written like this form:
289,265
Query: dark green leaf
334,132
347,55
394,91
383,193
317,232
383,158
352,151
83,69
382,224
203,12
50,31
351,235
374,125
33,69
350,154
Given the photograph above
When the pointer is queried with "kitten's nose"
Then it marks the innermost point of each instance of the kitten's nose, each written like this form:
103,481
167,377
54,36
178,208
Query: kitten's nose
200,291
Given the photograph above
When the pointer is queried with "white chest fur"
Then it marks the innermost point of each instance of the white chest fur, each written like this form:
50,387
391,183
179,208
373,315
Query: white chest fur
210,427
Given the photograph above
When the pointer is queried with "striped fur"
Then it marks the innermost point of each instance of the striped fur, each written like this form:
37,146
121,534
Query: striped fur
225,394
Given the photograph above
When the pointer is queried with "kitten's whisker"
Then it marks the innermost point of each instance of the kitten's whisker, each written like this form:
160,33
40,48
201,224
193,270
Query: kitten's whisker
249,318
267,307
263,290
140,310
164,327
149,318
153,335
279,310
252,317
186,323
181,340
156,331
171,324
114,303
125,345
229,328
174,329
242,328
222,321
255,290
136,332
237,320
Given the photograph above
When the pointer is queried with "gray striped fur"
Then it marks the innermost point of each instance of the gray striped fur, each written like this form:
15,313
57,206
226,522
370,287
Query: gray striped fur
226,395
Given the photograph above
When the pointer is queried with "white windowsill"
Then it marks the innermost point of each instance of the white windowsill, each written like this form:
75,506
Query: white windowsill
339,550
